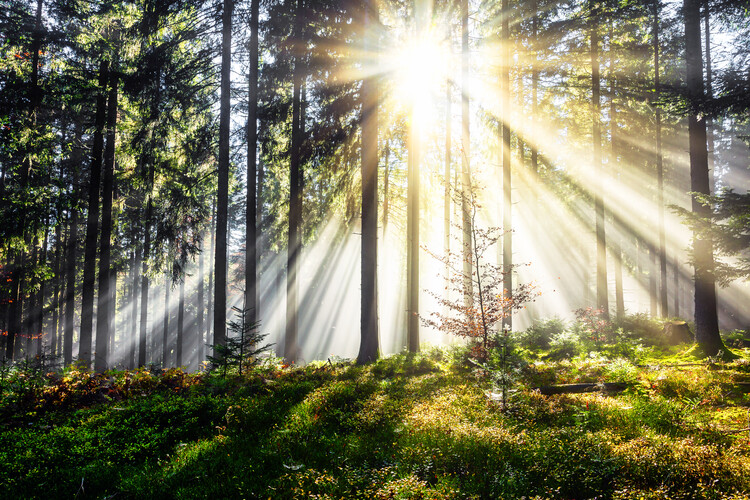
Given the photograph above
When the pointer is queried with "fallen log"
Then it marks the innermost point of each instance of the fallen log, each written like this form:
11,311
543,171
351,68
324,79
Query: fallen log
608,387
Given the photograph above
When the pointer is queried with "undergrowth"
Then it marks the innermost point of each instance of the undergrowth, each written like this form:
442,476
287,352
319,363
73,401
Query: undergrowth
408,426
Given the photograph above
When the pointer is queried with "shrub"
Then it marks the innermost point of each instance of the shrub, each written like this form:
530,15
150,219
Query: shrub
540,333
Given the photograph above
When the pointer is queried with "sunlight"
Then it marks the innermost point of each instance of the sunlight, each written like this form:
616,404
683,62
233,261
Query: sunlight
418,70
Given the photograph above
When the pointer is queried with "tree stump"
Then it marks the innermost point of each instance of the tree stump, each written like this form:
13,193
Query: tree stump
677,332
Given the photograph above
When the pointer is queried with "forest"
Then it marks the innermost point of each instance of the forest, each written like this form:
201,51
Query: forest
375,249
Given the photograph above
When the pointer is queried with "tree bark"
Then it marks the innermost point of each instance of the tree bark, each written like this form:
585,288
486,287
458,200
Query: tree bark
507,322
602,299
465,157
92,221
291,348
706,320
167,312
251,253
369,342
105,308
180,324
222,202
660,170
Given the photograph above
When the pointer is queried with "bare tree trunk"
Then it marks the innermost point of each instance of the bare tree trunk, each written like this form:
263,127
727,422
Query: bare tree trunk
507,322
660,170
706,320
291,348
465,157
180,324
220,268
105,309
369,343
602,299
251,254
709,94
92,221
167,312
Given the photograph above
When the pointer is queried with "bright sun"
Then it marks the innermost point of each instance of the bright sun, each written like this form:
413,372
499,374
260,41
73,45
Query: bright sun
419,69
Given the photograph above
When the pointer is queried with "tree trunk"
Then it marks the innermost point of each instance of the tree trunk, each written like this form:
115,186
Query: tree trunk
92,221
210,308
465,157
180,324
105,309
291,349
200,304
133,341
706,320
534,89
222,202
507,322
709,95
251,253
165,334
56,302
447,171
412,237
369,342
614,138
602,299
660,171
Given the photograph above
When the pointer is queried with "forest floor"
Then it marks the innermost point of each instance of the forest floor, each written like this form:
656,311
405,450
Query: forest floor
423,426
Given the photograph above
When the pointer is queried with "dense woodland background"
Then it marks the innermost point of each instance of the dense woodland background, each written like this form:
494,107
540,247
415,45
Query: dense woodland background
592,133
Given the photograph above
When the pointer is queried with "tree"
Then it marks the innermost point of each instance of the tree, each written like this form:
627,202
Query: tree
602,300
242,348
706,319
251,234
92,219
505,139
478,320
369,348
222,194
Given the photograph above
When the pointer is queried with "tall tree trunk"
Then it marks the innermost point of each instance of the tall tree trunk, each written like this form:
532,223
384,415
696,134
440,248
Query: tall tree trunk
105,308
200,304
92,221
167,312
447,171
70,251
660,170
614,138
251,254
386,185
369,342
180,324
676,287
706,320
534,88
465,157
291,348
41,295
412,236
210,308
133,341
56,302
222,202
145,280
602,299
709,94
507,322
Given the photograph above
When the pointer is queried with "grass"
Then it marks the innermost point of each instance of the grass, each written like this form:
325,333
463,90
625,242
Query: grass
408,426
